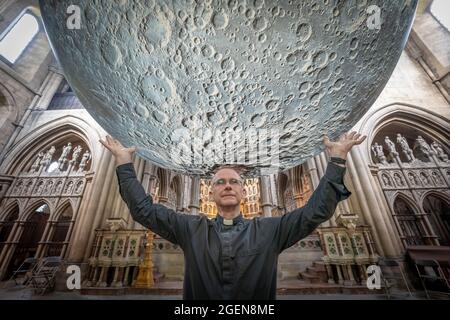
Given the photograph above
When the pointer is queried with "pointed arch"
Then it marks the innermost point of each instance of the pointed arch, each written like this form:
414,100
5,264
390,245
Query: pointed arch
42,136
31,207
417,117
8,208
61,208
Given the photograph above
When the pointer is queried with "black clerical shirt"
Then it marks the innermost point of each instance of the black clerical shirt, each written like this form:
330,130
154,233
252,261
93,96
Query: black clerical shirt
237,261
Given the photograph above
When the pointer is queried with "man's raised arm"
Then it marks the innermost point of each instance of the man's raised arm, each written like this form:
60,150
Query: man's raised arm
299,223
161,220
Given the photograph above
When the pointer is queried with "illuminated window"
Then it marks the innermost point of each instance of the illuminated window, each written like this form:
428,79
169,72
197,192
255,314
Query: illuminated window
440,9
18,37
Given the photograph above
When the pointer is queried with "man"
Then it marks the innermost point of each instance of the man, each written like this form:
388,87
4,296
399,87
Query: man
230,257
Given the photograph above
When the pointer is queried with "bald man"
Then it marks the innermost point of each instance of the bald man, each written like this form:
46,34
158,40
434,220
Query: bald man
230,257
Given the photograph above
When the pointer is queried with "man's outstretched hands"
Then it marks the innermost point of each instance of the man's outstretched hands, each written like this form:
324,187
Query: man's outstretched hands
342,146
123,155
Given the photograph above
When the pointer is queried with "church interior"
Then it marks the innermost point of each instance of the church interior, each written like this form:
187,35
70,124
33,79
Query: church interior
60,204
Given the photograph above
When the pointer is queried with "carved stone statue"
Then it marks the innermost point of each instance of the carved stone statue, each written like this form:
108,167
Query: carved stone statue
422,148
84,160
439,151
386,180
405,147
413,179
76,153
391,147
37,162
437,179
48,156
63,158
18,188
379,153
69,187
398,179
48,187
426,181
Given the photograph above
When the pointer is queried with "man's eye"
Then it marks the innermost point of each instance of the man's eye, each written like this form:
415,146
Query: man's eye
220,181
234,181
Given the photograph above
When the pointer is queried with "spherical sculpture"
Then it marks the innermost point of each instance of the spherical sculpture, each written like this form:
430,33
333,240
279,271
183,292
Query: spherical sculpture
255,83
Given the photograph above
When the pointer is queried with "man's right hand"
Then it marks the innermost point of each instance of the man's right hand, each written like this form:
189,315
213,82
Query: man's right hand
123,155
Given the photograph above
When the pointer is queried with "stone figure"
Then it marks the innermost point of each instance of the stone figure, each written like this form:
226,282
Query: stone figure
405,148
398,179
426,181
37,162
48,156
84,160
63,158
76,153
391,147
437,179
386,180
439,151
379,153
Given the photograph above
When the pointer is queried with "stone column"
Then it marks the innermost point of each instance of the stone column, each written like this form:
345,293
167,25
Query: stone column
385,210
316,172
89,211
370,205
266,204
194,205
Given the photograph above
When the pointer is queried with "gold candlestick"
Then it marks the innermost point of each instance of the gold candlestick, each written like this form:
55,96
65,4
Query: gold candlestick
145,275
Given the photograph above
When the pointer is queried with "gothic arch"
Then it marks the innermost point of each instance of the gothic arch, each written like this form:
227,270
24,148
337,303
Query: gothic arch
405,197
8,208
413,116
164,180
439,213
60,209
56,130
283,181
177,187
31,207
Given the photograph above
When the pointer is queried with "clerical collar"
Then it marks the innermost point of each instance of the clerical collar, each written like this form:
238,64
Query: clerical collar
230,222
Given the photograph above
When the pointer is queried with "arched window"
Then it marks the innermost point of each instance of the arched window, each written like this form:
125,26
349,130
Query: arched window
17,38
440,10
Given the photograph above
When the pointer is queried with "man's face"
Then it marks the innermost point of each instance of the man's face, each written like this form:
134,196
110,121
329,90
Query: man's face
227,188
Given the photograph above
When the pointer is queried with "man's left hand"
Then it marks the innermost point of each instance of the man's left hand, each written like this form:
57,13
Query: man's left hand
343,145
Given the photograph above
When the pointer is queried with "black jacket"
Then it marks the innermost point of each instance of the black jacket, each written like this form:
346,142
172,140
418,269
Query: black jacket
237,261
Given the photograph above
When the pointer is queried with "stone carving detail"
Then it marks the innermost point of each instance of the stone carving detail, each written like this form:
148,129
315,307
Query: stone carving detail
391,147
398,180
47,159
69,187
425,179
436,176
63,158
84,161
379,153
414,181
408,153
387,182
421,147
36,164
439,151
